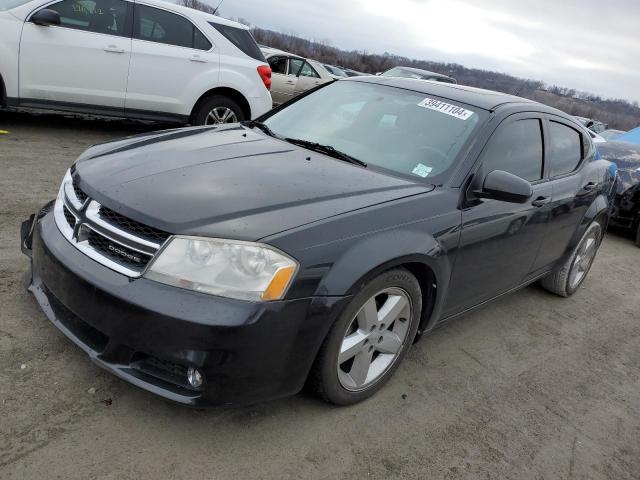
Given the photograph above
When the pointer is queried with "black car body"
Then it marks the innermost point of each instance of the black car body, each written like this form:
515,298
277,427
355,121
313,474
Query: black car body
626,208
343,223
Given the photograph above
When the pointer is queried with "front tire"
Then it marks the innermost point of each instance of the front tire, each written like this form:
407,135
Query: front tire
369,340
567,278
217,110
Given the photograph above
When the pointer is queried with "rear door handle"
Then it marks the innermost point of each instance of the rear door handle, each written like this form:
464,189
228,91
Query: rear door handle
197,58
541,201
113,49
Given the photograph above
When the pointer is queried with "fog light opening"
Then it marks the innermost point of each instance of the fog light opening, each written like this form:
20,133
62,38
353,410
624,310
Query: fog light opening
194,377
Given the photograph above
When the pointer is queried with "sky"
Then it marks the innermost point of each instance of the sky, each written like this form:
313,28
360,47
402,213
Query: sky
583,44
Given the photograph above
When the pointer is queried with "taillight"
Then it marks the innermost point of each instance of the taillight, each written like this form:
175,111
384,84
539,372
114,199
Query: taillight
265,74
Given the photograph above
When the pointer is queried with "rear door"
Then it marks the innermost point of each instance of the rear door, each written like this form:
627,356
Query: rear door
284,77
83,61
167,52
499,241
574,187
308,78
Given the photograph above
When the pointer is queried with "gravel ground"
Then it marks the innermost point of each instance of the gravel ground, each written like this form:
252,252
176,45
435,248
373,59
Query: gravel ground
532,386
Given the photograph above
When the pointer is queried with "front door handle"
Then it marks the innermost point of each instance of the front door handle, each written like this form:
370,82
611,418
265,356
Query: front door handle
113,49
290,82
541,201
197,58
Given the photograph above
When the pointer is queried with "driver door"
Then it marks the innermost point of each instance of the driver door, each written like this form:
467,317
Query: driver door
84,60
499,240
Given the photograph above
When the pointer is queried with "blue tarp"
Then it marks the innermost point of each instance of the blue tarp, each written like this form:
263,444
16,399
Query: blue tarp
632,136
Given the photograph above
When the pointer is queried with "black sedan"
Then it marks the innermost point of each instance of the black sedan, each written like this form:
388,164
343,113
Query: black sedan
626,208
238,263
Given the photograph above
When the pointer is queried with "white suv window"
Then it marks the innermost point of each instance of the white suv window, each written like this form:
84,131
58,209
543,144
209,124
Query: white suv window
99,16
156,25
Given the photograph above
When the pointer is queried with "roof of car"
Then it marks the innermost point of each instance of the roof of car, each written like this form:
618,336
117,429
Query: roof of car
486,99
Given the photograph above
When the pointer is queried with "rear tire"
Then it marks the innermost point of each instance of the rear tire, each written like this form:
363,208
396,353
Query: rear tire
567,278
216,110
367,343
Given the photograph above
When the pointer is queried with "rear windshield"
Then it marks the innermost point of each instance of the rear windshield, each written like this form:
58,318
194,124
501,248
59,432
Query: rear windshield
407,132
242,39
9,4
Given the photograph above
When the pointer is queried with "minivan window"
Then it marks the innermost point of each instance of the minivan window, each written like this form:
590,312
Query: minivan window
242,39
566,148
156,25
99,16
391,128
516,148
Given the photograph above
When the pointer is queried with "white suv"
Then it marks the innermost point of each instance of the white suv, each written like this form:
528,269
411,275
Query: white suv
146,59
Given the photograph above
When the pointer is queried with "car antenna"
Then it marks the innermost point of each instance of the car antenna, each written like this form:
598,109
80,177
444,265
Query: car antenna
215,12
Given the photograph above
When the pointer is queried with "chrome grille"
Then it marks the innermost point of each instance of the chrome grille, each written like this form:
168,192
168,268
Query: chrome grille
116,241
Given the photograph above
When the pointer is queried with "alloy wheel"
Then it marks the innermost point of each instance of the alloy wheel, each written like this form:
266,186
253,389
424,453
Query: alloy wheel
220,115
584,258
374,339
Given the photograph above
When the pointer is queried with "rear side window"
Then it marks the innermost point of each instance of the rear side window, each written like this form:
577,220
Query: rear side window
278,65
516,148
155,25
100,16
566,148
242,39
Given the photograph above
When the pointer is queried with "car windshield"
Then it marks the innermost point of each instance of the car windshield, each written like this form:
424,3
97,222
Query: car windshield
9,4
404,131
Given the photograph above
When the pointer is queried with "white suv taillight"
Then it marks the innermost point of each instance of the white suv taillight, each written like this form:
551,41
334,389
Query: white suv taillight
265,74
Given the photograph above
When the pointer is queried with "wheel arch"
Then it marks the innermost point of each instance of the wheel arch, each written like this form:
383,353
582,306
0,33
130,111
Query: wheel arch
228,92
597,211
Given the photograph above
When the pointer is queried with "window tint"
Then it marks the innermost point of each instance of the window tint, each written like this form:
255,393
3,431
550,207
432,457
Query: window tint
516,148
295,64
242,39
566,150
160,26
308,71
278,65
100,16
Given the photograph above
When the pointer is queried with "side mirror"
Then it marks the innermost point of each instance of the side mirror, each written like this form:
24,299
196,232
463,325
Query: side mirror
46,17
506,187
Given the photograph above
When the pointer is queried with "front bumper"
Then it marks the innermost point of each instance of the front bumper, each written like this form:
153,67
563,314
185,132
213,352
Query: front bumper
149,333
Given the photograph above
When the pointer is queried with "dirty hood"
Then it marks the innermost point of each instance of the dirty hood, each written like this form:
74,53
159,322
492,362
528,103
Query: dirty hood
230,182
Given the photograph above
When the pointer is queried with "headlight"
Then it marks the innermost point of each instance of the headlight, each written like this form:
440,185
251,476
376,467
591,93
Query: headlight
229,268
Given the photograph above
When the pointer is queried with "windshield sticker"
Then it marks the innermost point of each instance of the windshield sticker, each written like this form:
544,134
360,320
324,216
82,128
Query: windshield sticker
421,170
446,108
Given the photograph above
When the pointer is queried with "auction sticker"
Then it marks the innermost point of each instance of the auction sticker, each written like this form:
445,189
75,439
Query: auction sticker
446,108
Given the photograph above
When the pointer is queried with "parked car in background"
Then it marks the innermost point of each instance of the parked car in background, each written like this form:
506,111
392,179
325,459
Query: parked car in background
353,73
626,208
611,134
344,225
410,72
593,125
292,75
149,60
336,71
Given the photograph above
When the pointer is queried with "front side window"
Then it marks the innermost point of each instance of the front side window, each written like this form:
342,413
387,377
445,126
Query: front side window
156,25
308,71
406,132
99,16
295,64
566,148
516,148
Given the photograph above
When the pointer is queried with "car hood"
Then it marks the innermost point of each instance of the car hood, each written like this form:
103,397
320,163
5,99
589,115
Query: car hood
229,182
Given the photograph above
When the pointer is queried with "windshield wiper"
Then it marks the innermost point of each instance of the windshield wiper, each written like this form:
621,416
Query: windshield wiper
327,150
261,126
